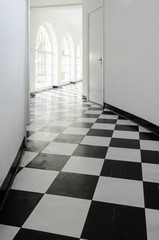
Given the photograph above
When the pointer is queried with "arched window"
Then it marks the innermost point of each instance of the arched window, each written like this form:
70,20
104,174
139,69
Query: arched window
43,60
79,63
66,60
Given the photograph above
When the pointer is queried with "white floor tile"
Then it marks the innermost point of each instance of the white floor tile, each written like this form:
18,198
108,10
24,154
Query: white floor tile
84,165
89,120
87,103
43,136
49,117
149,145
103,126
60,148
124,154
144,130
93,112
96,141
119,191
152,222
96,106
27,158
34,127
8,232
150,172
72,114
126,134
105,116
59,215
34,180
84,108
76,131
61,123
125,122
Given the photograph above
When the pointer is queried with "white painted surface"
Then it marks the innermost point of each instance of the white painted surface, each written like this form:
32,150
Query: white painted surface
12,72
58,22
131,55
95,55
35,3
87,5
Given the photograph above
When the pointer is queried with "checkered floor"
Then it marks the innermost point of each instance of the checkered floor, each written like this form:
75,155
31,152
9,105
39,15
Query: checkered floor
86,174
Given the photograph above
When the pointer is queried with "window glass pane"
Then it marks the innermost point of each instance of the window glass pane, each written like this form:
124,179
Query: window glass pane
79,63
65,60
48,58
43,59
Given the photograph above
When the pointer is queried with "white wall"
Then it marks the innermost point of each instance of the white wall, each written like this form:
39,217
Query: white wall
87,5
60,21
53,2
131,56
12,72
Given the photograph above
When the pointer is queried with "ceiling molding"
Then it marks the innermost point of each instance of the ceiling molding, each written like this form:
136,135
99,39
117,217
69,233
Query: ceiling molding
57,5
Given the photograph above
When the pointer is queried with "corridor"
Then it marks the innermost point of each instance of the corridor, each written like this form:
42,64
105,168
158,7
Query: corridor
87,173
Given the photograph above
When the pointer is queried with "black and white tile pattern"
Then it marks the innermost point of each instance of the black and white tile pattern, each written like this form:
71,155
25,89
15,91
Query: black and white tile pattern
87,174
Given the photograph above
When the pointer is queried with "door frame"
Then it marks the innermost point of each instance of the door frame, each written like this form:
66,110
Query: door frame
27,117
96,7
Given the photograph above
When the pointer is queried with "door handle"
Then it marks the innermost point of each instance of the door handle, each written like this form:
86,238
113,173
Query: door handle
101,60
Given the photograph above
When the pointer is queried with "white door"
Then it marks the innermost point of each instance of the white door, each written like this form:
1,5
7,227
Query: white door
96,56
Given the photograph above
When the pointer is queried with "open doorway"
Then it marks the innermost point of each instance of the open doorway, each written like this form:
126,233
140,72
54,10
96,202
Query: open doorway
55,44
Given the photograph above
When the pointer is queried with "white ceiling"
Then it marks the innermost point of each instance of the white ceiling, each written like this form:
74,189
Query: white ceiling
70,10
48,3
72,16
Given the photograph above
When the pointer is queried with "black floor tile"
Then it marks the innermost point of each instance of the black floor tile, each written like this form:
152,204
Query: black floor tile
151,193
121,117
126,128
148,136
36,146
96,108
150,156
18,207
122,169
84,103
125,143
48,162
114,222
29,133
111,121
82,125
90,115
90,151
19,169
54,129
109,113
99,132
69,138
74,185
26,234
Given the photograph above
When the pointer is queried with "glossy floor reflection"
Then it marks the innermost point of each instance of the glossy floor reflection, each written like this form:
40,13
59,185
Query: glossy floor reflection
87,174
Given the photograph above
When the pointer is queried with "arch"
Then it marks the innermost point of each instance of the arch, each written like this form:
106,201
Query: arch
46,61
79,61
67,61
53,38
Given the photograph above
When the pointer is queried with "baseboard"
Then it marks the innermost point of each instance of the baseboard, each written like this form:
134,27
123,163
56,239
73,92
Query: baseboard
84,97
32,94
4,190
146,124
56,87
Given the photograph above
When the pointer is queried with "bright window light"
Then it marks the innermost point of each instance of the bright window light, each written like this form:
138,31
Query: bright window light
43,59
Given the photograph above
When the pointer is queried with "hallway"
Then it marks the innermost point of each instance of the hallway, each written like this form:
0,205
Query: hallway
87,173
